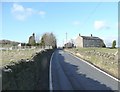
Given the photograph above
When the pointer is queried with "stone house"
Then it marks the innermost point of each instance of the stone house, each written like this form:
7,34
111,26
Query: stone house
69,45
88,41
32,39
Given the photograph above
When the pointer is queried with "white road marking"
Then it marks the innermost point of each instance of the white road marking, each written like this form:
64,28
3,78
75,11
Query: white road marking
50,75
96,68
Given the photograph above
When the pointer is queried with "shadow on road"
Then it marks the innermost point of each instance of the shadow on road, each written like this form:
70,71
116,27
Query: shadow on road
78,80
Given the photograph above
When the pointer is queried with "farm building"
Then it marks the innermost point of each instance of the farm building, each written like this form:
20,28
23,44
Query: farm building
69,45
32,39
89,41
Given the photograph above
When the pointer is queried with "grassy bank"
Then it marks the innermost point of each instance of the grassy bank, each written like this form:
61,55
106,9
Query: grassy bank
8,56
104,58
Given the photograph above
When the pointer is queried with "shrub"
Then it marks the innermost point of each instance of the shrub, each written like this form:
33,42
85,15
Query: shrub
114,44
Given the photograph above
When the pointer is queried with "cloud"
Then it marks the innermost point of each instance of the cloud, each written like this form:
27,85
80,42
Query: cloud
20,12
76,23
42,13
99,25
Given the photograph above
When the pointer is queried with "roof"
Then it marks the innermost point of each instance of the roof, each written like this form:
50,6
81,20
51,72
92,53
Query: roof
91,38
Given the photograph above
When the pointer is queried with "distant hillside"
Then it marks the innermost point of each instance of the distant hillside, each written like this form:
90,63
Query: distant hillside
8,43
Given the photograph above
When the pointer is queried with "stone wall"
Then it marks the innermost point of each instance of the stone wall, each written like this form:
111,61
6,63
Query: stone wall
27,74
110,57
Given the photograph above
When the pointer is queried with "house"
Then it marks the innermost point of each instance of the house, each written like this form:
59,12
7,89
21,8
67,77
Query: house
32,39
89,41
69,45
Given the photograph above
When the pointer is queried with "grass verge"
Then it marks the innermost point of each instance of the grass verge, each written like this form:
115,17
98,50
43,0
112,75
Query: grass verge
8,56
104,63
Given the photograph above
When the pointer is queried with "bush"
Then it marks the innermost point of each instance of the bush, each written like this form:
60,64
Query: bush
114,44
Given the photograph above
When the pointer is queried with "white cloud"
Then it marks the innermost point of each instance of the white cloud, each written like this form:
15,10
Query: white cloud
99,25
42,13
76,23
17,7
20,12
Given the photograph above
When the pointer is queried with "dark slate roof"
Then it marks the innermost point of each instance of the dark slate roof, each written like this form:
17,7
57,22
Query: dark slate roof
91,38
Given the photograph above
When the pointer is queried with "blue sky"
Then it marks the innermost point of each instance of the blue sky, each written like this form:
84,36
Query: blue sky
21,19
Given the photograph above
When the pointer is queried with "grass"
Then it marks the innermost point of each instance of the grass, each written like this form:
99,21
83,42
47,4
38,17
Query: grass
104,50
15,55
104,63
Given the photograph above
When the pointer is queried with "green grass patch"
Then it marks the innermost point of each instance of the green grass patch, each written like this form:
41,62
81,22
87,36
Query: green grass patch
105,50
15,55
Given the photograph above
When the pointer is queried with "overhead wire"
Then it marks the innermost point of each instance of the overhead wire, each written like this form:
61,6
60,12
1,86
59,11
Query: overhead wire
91,14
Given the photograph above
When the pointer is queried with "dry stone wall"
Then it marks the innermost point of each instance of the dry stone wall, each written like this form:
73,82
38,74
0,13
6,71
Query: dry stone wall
27,74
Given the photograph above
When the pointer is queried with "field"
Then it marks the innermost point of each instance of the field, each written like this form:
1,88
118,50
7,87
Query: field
14,55
105,50
104,58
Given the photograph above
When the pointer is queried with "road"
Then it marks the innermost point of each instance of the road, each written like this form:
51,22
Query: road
70,73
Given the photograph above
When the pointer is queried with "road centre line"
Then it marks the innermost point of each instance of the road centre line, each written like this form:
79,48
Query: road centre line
50,75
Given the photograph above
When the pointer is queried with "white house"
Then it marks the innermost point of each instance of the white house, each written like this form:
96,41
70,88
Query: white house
88,41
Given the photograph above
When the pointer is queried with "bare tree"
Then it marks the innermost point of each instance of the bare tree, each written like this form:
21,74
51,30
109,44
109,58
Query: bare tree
72,41
37,38
49,39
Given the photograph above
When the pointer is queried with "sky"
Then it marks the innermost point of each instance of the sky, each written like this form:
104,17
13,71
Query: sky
21,19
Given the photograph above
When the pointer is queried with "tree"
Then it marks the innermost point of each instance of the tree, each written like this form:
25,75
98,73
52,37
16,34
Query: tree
42,43
28,44
37,38
52,40
37,44
114,44
49,39
73,42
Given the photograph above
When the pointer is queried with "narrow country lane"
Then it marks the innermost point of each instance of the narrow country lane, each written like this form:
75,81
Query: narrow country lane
70,73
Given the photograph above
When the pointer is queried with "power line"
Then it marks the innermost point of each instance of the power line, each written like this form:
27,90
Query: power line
91,14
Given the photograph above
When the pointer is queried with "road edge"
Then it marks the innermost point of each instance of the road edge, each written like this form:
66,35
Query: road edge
95,67
50,75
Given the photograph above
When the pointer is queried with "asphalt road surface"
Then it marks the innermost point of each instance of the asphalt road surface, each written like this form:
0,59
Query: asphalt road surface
70,73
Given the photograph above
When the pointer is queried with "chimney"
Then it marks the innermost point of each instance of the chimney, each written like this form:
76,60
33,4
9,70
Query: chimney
79,35
33,34
91,35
